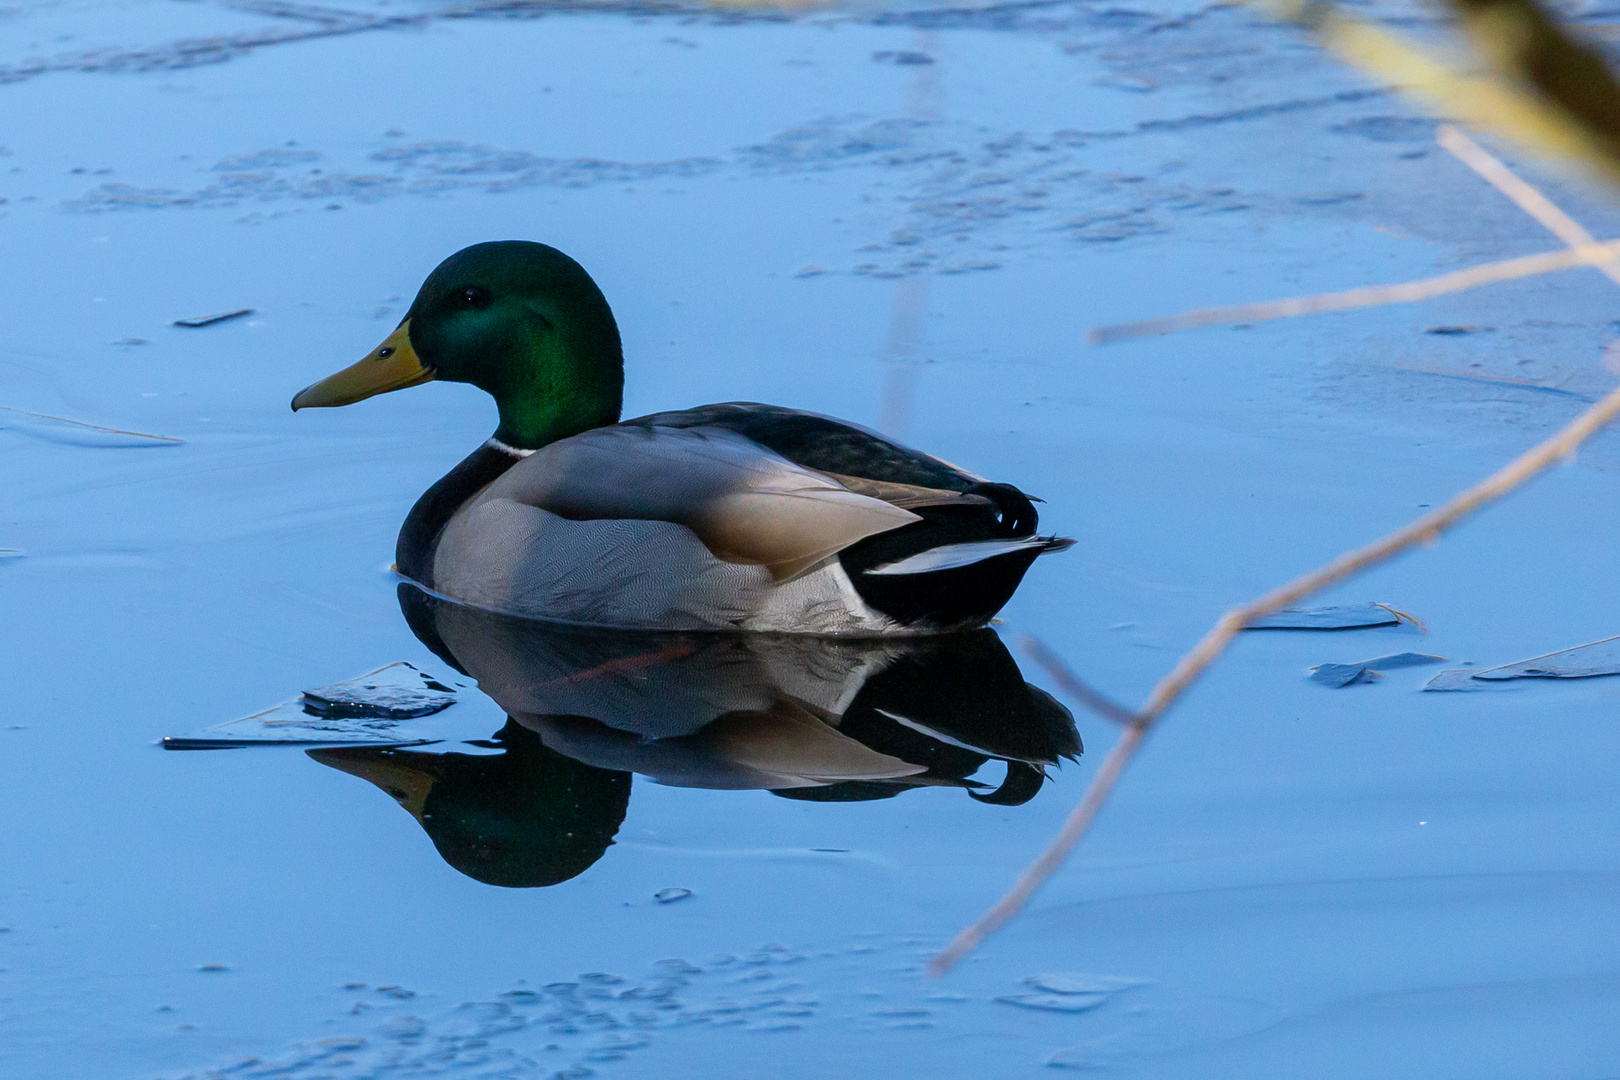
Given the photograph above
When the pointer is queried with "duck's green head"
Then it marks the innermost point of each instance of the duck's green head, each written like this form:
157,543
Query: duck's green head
517,319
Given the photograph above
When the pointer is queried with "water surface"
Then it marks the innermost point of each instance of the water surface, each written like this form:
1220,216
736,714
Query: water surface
1293,878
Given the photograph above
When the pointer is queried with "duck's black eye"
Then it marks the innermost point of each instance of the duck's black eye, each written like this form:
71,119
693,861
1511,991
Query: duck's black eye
475,296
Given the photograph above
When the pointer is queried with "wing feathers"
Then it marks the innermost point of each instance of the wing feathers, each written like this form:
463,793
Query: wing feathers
747,504
909,496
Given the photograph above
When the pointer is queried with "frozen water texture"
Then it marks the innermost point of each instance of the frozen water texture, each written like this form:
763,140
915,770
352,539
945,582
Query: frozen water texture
793,208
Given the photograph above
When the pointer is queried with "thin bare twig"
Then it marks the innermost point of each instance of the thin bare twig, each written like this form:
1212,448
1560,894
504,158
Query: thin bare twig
1097,702
1570,117
1424,530
1406,292
1457,143
1549,91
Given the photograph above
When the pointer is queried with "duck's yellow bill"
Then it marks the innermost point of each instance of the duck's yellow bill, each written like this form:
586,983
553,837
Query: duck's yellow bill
408,785
390,366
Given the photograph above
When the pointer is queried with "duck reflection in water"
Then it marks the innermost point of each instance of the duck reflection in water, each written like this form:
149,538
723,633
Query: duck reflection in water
817,719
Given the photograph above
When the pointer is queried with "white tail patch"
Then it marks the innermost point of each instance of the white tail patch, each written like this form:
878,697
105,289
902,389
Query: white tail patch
951,556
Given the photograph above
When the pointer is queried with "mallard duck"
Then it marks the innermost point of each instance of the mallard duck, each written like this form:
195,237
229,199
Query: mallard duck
737,516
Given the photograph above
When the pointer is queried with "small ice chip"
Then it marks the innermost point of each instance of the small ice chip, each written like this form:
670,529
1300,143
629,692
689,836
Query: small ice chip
209,320
1063,1003
1341,675
1333,617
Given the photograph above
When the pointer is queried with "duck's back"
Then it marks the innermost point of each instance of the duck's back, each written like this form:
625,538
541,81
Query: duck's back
726,517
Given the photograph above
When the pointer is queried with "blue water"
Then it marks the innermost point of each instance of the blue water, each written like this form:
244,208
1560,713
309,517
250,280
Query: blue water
1291,881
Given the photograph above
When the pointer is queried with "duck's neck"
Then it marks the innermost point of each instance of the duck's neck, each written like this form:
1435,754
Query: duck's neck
532,421
569,386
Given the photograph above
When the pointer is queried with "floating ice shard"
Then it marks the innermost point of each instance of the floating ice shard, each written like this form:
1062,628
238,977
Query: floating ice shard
1582,662
1068,983
1337,675
1587,661
396,692
1064,1003
371,710
1341,675
1070,993
209,320
1333,617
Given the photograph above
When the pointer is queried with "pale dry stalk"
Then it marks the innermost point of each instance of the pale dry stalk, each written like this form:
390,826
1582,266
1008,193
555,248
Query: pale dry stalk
1601,255
1457,143
1425,530
1072,685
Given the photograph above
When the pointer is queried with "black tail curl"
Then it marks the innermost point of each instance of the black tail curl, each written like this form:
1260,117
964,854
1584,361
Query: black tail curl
1017,516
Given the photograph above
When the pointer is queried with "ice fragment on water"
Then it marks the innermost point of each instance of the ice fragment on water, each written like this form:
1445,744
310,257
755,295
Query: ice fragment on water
1337,675
210,320
1454,679
1340,675
1070,993
1066,983
1064,1003
1582,662
396,692
367,710
1588,661
1402,660
902,58
669,896
1332,617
